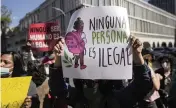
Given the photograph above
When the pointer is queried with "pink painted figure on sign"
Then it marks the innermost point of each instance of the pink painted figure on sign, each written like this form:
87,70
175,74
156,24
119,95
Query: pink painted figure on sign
76,41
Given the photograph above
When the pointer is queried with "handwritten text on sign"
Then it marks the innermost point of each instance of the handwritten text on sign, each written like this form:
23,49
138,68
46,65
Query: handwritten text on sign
44,35
14,91
96,45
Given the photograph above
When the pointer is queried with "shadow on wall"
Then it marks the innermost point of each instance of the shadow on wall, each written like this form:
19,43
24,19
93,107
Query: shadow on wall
146,45
164,44
157,45
154,46
170,44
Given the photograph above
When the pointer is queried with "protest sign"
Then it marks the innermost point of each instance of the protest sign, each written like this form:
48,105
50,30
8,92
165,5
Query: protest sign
96,44
44,35
14,91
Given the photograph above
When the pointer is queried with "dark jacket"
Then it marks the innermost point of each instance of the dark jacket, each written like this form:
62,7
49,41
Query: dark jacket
57,86
57,83
135,92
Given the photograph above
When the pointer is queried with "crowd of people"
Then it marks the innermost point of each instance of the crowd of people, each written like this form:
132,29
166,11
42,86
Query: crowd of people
152,85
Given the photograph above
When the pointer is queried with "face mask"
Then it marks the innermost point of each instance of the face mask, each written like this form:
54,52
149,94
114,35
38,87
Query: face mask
5,72
164,65
47,69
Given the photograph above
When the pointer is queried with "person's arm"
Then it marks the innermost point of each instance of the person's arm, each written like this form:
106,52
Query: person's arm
156,79
56,81
137,51
58,63
138,59
140,68
58,50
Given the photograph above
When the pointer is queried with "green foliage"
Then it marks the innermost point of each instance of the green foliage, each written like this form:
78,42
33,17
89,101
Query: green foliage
5,17
67,61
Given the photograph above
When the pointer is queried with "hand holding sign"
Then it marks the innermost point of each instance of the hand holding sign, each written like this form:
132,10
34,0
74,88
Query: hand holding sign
59,47
136,45
96,45
28,102
137,50
14,91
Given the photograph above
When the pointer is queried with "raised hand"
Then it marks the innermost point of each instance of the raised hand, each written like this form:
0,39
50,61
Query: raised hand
59,47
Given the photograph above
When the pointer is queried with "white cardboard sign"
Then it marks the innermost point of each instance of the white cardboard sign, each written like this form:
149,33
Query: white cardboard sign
96,44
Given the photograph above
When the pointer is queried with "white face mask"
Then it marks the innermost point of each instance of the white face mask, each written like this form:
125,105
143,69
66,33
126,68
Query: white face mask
47,69
164,65
5,72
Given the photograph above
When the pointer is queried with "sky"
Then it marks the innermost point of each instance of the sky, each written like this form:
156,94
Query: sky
19,8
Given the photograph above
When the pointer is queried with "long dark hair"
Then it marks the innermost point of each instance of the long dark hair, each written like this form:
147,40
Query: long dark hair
18,69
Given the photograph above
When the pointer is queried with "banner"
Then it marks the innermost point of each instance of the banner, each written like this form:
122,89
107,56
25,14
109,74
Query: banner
96,44
44,35
14,91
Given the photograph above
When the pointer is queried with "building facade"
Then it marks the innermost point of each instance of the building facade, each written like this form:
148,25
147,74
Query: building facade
167,5
151,24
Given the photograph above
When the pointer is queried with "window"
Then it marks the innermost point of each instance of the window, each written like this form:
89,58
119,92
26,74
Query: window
107,2
143,26
155,28
95,2
149,15
132,24
62,4
158,18
113,3
151,27
25,24
47,13
34,18
164,44
128,8
53,10
153,45
144,13
138,25
37,17
131,9
116,2
170,44
158,45
154,16
138,11
62,24
148,27
89,1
